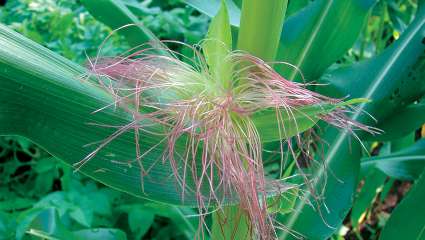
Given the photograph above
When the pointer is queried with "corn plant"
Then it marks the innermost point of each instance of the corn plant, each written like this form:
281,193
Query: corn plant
197,128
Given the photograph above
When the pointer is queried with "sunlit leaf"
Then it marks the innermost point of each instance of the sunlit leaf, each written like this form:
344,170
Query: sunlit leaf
217,46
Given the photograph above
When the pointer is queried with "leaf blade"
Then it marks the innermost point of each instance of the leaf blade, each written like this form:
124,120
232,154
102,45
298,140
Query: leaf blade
410,209
44,99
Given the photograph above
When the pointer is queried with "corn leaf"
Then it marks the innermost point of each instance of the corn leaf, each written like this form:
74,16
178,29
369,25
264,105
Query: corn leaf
261,26
317,36
407,221
45,98
313,38
406,164
218,45
269,122
410,117
373,79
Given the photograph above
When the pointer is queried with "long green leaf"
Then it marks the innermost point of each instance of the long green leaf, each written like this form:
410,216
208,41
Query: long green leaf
261,26
405,164
407,221
401,123
336,184
374,180
298,120
44,98
295,6
218,45
312,38
318,35
374,80
392,80
44,221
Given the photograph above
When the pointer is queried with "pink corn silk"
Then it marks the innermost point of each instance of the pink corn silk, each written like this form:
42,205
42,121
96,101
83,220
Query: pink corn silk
219,128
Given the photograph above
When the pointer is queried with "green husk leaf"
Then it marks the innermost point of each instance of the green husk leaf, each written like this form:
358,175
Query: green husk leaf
268,121
261,27
45,98
218,45
296,121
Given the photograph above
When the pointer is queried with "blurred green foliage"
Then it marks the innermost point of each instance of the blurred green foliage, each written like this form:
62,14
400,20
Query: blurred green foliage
387,21
62,26
34,184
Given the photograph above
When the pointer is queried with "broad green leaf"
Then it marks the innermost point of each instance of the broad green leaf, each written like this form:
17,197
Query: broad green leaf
140,220
14,204
261,27
42,223
44,98
284,203
407,221
115,14
392,80
269,123
211,8
401,123
403,142
46,224
24,221
295,6
373,80
319,34
230,222
406,164
217,46
279,124
335,183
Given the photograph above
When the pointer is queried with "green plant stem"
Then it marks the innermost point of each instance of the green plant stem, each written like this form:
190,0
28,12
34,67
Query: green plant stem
261,27
259,35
